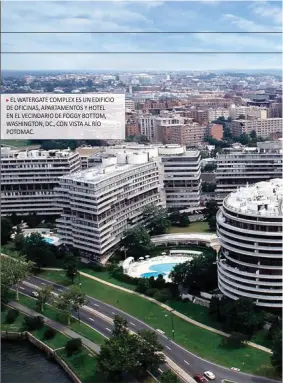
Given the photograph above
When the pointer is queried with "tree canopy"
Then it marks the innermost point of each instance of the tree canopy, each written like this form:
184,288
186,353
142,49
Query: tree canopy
156,219
137,242
198,274
210,211
6,230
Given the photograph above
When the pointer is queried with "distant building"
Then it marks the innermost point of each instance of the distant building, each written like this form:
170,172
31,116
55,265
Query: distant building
237,167
28,179
262,127
215,131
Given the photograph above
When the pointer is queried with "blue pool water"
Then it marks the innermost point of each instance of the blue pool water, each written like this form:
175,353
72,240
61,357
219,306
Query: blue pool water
162,268
49,240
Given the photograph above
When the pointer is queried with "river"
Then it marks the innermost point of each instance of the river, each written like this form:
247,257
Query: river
22,362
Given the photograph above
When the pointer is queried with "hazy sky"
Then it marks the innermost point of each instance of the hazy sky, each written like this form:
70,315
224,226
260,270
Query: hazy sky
141,16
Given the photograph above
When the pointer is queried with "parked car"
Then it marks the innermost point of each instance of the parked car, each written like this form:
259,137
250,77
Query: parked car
34,294
200,379
209,375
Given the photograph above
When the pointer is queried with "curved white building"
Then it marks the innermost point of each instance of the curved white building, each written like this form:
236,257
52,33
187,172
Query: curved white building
249,227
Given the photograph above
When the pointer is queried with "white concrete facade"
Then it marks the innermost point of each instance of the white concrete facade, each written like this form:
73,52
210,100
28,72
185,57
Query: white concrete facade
100,203
28,179
182,172
237,167
249,228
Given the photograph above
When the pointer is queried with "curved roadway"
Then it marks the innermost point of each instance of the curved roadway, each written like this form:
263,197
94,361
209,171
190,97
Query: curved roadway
187,361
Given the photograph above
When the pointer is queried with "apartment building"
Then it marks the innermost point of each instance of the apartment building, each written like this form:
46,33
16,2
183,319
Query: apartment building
130,105
249,112
238,167
181,173
215,131
28,179
100,203
214,114
262,127
147,126
249,228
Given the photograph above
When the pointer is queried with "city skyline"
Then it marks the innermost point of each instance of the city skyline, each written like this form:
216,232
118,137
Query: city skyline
141,17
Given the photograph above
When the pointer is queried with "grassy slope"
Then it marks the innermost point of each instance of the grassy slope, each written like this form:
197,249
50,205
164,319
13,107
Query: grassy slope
194,227
199,341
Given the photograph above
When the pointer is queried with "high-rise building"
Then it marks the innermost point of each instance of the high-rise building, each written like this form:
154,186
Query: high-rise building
237,167
249,228
28,179
100,203
181,177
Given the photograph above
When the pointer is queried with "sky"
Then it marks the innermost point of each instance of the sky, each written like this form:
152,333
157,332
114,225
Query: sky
141,16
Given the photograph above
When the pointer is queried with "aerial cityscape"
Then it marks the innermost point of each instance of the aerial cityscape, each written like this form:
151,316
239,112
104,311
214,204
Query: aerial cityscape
156,257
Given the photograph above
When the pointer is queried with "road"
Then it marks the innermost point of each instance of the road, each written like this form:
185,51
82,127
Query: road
189,362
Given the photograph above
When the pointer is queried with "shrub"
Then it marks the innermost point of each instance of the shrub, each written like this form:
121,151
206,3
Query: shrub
97,267
151,292
163,295
73,346
49,333
34,323
12,314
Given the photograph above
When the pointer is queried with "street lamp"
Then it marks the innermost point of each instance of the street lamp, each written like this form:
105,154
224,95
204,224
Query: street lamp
172,324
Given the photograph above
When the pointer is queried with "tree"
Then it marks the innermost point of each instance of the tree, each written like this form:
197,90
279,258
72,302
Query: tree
211,209
156,219
129,353
73,346
6,230
120,326
34,323
38,250
179,219
71,267
168,377
15,270
44,295
16,220
142,285
32,220
72,299
19,239
198,274
276,358
137,242
240,316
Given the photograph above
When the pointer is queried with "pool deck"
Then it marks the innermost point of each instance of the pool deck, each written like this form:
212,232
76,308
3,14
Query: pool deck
140,268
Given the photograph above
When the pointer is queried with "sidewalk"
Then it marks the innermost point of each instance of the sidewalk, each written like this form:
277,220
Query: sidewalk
168,308
57,326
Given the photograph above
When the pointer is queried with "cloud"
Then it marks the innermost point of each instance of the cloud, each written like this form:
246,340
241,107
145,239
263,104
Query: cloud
249,25
267,11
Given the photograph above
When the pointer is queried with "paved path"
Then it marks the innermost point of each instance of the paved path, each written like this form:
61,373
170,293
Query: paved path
168,308
96,312
57,326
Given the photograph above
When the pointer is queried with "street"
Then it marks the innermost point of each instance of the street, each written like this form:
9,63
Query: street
189,362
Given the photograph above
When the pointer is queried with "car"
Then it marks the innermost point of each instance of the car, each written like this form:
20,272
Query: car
209,375
200,379
235,369
34,294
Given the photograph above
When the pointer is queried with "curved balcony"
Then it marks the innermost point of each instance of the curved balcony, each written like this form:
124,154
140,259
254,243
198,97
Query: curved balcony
246,238
233,283
248,295
220,221
222,271
235,270
253,264
250,245
250,253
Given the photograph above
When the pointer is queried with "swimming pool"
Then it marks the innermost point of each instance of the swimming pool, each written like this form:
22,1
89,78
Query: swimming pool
161,268
49,240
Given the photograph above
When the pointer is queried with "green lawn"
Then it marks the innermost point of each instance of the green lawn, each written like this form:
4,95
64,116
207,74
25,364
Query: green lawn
49,312
197,340
84,364
194,227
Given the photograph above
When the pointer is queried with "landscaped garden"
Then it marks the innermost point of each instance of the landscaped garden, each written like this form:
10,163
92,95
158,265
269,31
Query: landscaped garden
194,227
197,340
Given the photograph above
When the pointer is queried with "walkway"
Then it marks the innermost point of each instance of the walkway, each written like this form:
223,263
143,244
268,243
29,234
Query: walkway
57,326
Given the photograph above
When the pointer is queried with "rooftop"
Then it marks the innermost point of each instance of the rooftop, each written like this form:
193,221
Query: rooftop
262,199
35,153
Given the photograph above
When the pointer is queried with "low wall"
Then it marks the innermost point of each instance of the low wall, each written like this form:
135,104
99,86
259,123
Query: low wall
9,335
